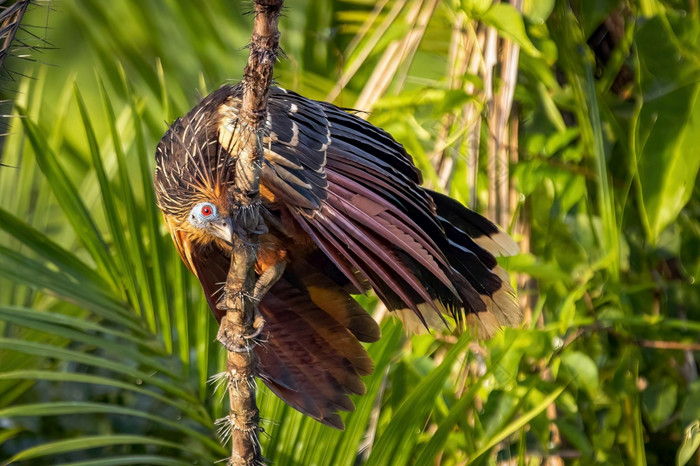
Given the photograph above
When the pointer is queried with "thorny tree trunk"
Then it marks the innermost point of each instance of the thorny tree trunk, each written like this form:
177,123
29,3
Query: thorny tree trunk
240,325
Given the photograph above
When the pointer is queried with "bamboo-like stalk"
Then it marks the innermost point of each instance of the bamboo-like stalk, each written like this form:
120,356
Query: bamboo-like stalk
397,53
469,115
240,325
368,47
490,61
457,58
465,53
510,52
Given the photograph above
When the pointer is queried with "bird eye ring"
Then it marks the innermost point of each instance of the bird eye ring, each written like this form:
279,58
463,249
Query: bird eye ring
203,212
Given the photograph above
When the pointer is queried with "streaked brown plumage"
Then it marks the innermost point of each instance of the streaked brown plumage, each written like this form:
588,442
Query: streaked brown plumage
345,212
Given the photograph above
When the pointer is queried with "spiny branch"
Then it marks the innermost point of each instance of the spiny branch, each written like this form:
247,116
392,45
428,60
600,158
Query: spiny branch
240,326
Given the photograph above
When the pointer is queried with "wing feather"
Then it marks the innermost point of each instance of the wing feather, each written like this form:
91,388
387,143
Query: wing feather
419,250
311,356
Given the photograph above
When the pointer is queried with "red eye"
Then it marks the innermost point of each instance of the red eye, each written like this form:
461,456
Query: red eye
206,211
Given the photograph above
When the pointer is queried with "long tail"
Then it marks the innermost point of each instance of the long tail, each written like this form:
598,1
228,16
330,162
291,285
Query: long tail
473,241
312,357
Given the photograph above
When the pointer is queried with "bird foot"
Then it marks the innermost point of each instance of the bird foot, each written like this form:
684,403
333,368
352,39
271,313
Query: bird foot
232,335
248,222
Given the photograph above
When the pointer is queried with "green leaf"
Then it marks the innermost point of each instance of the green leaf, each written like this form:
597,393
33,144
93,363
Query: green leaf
508,21
49,250
83,443
690,444
659,401
123,258
7,434
77,330
183,405
152,222
606,195
21,269
518,424
476,7
457,413
69,198
582,369
129,460
538,11
690,410
383,353
44,350
667,123
397,442
76,408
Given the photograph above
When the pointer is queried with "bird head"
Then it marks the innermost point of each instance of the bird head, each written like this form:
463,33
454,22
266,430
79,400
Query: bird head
207,221
194,172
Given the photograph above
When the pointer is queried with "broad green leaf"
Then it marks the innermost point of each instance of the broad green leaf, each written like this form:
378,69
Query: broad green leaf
582,370
594,12
690,444
577,436
659,400
476,7
538,11
667,123
690,411
509,23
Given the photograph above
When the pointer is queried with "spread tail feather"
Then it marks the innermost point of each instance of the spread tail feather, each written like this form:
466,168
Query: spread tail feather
310,356
474,239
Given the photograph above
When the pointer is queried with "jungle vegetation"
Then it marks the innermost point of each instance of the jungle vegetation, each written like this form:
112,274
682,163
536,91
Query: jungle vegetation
573,123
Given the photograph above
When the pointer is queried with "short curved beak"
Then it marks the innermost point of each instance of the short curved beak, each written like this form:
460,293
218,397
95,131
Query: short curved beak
223,228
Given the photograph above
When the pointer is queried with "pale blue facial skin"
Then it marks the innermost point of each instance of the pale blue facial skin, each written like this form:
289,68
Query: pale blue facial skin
197,217
212,223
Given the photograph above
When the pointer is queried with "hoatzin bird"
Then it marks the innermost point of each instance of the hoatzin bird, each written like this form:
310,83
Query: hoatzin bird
344,212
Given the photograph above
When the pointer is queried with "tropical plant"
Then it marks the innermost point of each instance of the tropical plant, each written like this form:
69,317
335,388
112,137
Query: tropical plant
107,344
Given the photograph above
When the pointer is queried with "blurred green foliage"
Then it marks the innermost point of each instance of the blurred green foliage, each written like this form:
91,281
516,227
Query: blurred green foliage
106,344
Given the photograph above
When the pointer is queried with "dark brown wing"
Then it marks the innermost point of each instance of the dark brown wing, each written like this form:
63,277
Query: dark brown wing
311,355
374,218
309,359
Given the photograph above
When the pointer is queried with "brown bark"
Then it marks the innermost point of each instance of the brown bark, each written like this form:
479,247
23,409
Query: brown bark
240,326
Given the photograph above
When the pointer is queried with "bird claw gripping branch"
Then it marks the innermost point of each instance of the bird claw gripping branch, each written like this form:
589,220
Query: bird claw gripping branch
343,212
233,338
231,335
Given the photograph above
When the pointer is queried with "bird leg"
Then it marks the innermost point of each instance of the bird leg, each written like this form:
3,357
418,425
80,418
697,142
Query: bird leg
268,278
227,329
